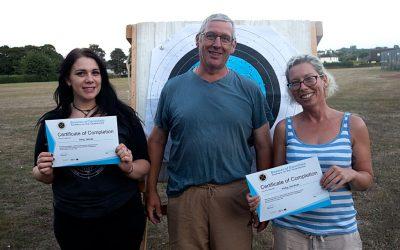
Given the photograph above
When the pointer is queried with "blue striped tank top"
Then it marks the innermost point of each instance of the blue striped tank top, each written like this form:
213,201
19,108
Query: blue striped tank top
340,216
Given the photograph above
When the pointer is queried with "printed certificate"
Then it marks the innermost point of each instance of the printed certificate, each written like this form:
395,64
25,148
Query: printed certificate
288,189
83,141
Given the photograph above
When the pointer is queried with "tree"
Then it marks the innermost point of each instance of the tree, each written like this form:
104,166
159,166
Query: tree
117,62
5,61
39,64
52,54
29,63
10,60
98,51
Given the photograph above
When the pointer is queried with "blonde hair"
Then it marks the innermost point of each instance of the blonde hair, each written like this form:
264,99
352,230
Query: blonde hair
318,66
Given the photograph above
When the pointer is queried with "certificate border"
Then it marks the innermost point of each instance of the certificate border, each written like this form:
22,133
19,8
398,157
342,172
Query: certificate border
104,161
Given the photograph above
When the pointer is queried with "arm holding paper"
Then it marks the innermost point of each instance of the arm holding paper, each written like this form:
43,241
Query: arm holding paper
360,176
134,169
43,167
43,171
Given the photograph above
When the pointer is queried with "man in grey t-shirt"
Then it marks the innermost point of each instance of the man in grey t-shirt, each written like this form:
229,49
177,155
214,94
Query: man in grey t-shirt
210,113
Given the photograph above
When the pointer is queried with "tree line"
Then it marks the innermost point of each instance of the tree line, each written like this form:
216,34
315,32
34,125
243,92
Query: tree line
41,63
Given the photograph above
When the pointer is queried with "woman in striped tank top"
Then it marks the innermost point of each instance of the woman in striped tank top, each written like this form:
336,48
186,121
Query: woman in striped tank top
341,143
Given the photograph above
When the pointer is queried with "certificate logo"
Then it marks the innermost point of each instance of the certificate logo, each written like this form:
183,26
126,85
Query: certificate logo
262,177
61,125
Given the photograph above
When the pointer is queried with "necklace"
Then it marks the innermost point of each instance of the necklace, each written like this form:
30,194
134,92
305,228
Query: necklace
85,112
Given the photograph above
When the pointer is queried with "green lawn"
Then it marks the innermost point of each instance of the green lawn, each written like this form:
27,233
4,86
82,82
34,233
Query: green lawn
26,205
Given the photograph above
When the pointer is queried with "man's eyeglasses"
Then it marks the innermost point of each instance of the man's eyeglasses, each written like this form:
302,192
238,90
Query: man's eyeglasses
211,36
309,81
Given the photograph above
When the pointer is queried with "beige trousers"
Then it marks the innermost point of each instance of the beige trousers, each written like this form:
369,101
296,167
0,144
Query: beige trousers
285,239
210,217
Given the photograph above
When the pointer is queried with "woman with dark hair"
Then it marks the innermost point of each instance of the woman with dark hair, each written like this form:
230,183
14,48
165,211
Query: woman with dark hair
95,207
341,142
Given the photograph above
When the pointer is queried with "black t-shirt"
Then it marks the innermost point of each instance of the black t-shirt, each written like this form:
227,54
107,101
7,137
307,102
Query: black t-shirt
93,191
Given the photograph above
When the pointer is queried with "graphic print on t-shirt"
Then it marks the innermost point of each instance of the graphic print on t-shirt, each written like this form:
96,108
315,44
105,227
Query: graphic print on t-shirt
87,172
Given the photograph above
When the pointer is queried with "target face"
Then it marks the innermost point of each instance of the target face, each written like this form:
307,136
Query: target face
261,55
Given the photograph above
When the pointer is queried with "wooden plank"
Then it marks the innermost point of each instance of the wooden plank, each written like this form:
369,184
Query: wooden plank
313,34
319,30
316,33
129,33
133,38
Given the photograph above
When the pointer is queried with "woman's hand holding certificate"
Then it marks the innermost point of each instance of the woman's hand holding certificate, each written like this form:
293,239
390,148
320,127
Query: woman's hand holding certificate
44,167
126,157
289,189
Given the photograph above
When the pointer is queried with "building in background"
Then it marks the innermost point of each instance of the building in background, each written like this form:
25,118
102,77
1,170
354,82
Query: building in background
328,56
329,59
390,59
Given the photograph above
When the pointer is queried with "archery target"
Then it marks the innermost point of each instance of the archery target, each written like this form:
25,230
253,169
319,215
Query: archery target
261,54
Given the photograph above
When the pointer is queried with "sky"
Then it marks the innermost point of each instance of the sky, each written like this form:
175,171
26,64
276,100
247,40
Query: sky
69,24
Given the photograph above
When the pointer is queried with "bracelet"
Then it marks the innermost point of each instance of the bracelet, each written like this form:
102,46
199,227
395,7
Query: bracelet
130,170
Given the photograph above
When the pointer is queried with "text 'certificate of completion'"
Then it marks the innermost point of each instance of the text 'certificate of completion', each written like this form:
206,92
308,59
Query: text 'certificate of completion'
288,189
83,141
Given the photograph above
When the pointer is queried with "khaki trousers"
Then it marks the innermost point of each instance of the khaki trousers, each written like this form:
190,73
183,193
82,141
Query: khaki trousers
285,239
210,217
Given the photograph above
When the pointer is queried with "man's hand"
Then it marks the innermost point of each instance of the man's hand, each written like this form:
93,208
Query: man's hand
153,207
260,226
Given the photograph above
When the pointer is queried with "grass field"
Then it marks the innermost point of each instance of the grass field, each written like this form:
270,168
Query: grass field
26,205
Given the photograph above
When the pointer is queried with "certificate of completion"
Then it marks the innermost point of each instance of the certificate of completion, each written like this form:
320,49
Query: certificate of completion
83,141
288,189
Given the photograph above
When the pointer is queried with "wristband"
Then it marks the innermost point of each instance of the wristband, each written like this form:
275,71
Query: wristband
130,170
